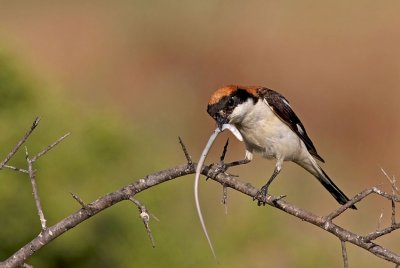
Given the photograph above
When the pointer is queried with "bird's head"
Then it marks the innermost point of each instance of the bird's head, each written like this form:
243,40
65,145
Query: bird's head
230,103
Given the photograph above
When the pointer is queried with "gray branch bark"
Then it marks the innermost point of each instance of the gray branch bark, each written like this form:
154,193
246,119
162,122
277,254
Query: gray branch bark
87,211
125,193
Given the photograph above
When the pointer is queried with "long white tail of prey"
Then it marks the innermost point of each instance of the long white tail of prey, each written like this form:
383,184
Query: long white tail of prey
203,156
196,185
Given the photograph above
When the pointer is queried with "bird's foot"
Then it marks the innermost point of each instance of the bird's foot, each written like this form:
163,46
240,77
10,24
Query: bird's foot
217,168
261,196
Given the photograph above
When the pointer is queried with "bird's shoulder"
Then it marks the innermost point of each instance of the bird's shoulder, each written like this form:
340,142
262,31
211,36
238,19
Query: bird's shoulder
281,107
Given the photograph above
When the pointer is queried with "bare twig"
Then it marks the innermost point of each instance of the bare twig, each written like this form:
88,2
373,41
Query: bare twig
392,182
49,147
358,198
128,192
187,155
222,158
79,200
224,188
344,254
225,198
146,218
395,192
374,235
393,200
32,175
17,169
19,144
246,188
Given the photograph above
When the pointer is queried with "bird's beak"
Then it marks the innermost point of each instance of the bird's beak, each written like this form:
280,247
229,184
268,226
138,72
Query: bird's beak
221,119
223,123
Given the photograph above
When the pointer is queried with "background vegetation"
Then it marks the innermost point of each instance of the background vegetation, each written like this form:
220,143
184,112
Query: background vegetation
127,77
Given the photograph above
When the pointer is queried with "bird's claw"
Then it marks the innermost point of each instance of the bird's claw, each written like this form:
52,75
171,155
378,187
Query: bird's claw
220,167
261,196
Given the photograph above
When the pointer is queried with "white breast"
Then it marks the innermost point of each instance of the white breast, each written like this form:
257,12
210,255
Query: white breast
263,132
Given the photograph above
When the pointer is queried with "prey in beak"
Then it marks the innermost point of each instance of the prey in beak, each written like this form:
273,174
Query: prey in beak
221,121
203,156
268,126
220,108
219,116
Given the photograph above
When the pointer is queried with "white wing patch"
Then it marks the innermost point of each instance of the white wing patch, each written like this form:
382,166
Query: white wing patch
300,129
286,102
266,102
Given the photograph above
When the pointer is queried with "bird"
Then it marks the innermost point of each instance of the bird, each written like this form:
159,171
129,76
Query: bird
270,127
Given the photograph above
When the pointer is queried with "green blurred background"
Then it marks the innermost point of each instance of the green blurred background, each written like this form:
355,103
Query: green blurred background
127,77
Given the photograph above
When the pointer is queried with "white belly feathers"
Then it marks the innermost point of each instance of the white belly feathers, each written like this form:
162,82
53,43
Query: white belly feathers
263,132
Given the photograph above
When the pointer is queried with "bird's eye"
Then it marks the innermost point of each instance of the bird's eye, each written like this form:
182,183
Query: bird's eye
231,102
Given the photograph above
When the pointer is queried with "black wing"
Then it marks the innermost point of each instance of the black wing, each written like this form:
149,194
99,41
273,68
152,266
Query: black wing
282,109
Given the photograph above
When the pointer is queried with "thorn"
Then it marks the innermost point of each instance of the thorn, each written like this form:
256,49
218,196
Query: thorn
145,218
83,205
222,158
225,198
188,157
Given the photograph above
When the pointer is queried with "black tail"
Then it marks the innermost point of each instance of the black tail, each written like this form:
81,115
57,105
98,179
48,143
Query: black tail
333,189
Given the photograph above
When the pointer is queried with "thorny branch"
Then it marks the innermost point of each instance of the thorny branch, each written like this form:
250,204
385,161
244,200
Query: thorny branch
224,188
128,192
32,172
146,218
185,151
32,176
19,144
48,148
79,200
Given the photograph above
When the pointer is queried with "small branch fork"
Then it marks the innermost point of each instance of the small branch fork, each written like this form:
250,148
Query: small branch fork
32,175
19,144
146,218
31,171
226,180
